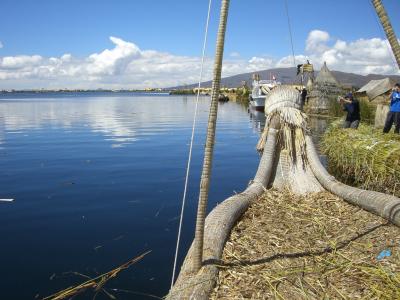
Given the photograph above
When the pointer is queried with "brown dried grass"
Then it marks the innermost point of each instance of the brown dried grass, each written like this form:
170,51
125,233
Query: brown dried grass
96,284
309,247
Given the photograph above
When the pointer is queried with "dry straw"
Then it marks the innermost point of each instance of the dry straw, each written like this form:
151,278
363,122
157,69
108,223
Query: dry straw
365,157
311,247
96,284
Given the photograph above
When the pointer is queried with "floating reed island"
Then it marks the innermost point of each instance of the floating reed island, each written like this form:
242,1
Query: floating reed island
366,157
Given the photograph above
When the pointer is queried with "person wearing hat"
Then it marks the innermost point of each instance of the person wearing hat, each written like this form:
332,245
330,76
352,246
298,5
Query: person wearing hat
393,115
352,106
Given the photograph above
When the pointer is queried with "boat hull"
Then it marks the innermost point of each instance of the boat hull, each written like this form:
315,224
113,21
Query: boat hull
258,103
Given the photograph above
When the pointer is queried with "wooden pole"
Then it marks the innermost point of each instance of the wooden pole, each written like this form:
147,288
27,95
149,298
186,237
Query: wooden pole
391,36
209,148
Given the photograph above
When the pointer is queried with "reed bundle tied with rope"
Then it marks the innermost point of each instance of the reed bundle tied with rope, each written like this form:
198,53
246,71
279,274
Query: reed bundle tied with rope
365,157
293,122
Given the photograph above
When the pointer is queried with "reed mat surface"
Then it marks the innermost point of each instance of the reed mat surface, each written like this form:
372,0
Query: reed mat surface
309,247
365,158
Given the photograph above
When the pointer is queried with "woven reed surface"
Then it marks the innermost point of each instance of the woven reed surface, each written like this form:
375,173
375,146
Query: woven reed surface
309,247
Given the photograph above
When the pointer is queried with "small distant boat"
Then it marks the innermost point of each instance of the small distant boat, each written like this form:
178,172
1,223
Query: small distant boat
260,90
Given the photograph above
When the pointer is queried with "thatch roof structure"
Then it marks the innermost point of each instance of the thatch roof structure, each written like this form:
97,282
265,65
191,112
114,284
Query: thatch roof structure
376,88
326,77
324,91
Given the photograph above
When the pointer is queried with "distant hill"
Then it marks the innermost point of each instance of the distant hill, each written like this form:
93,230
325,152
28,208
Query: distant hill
288,75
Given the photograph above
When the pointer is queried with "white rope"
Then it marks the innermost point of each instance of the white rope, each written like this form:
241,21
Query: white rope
191,143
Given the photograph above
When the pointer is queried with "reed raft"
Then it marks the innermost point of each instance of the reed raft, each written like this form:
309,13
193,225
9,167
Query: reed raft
317,246
312,225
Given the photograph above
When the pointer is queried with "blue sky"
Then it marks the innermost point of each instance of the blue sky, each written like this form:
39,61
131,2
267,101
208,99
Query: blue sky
32,32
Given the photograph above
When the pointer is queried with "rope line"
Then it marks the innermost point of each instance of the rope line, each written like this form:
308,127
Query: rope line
191,144
290,31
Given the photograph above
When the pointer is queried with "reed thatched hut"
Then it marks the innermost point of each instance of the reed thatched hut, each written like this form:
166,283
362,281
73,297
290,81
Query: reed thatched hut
324,91
377,92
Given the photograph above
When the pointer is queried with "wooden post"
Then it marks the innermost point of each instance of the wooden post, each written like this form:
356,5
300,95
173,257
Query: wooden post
209,148
391,36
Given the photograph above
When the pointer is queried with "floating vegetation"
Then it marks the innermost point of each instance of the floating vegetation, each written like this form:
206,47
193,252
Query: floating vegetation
366,157
96,284
310,247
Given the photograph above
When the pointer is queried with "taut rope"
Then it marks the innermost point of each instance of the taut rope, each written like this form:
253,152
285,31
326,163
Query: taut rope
191,143
290,32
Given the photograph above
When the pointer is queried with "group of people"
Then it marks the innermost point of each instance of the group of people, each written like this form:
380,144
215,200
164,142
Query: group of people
352,106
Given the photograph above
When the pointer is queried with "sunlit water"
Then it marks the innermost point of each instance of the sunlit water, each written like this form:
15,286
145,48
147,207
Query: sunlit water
98,179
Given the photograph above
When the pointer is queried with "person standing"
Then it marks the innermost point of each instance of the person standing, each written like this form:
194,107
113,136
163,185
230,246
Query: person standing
303,96
393,115
352,106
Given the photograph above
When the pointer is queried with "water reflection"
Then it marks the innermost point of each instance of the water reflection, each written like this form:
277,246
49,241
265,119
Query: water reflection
257,119
122,120
87,170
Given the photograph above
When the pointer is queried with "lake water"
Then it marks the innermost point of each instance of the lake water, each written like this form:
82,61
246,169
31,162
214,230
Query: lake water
98,179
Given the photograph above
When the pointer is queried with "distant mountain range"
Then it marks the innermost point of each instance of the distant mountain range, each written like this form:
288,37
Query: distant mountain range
288,75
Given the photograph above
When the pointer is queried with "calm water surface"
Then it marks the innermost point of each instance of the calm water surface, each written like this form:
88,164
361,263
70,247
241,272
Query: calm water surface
98,179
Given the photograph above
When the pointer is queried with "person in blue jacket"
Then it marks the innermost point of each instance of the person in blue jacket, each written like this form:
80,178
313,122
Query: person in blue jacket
393,115
352,106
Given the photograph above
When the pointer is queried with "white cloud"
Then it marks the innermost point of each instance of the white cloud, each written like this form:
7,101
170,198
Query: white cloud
363,56
21,61
125,65
316,41
66,57
287,61
115,61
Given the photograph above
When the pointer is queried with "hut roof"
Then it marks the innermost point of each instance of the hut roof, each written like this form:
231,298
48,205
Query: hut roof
326,77
375,88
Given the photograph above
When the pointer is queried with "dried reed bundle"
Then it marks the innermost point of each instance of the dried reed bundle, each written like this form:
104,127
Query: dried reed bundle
309,247
284,104
365,157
